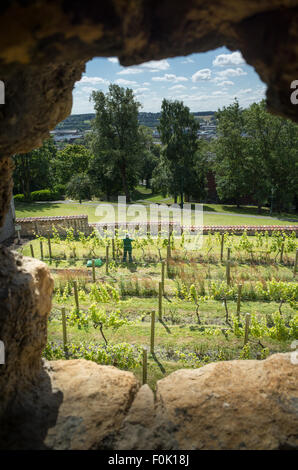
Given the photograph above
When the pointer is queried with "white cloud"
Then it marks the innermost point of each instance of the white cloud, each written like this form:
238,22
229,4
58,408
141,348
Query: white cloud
203,74
188,60
156,65
122,81
245,91
168,77
141,89
177,87
130,71
219,93
146,84
231,73
114,60
225,83
93,80
228,59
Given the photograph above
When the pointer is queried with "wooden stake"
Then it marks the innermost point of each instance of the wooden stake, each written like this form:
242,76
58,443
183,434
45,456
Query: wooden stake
93,270
296,263
239,300
222,246
41,250
152,332
281,252
247,320
107,259
75,288
64,329
50,249
228,272
163,276
160,301
229,254
168,260
144,366
113,248
32,251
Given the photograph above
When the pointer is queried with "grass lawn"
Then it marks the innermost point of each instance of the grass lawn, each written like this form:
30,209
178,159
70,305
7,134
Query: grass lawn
219,216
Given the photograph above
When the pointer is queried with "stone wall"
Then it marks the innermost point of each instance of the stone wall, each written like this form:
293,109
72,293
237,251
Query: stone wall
44,225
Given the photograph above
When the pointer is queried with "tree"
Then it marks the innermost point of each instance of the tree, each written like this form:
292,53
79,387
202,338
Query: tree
33,170
231,152
79,187
73,159
115,133
178,130
273,153
149,153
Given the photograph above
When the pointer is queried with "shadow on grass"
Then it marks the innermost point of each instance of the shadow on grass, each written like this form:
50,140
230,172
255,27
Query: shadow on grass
163,370
33,207
165,326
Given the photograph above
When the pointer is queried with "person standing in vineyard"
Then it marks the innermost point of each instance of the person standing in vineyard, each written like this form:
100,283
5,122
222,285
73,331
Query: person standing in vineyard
127,248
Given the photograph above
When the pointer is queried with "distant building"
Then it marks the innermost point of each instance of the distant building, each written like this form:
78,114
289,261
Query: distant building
69,135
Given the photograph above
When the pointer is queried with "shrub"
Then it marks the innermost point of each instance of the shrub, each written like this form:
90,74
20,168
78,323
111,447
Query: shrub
19,197
44,195
60,190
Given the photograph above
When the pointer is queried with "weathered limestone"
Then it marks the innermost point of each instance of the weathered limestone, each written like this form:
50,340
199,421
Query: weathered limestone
25,301
78,404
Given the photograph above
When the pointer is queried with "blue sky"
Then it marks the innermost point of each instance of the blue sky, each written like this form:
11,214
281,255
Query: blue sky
204,82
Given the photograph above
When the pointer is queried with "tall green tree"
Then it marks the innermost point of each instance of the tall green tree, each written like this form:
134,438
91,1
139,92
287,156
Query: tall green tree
178,131
33,170
115,133
273,155
149,154
73,159
231,154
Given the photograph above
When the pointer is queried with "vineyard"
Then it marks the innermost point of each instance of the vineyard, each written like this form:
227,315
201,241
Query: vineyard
234,298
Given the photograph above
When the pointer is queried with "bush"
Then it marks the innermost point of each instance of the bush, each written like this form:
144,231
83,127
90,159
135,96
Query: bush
44,195
60,190
19,197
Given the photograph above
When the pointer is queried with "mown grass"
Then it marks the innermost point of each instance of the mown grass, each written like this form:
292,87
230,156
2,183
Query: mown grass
218,217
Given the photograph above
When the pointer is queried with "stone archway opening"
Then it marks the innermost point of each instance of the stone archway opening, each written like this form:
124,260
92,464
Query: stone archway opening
44,48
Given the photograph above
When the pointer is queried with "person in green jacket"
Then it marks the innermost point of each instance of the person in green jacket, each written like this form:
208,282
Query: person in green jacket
127,248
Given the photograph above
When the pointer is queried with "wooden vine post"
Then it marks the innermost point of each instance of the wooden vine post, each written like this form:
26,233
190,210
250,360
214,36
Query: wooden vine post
168,260
64,330
247,321
75,288
160,301
41,250
32,251
282,252
239,300
93,270
152,332
107,259
50,248
222,246
228,272
113,249
144,366
296,263
163,276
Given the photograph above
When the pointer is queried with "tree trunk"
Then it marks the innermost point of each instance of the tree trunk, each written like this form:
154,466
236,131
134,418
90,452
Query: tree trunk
124,184
181,203
175,198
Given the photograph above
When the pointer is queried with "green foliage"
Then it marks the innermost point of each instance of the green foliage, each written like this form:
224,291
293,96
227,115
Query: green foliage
122,355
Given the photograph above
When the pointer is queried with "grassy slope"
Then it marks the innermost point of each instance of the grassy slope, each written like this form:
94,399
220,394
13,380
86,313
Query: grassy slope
219,217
